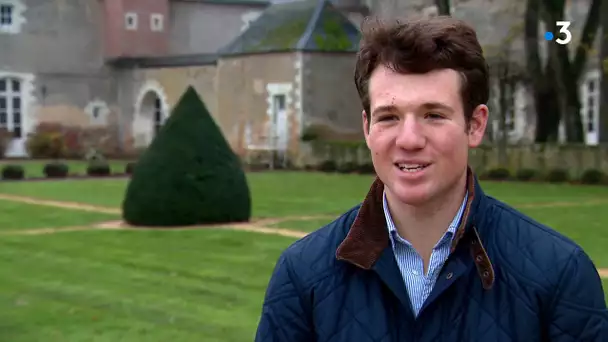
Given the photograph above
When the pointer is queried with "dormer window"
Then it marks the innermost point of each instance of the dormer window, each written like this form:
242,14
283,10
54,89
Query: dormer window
156,22
11,16
6,14
131,21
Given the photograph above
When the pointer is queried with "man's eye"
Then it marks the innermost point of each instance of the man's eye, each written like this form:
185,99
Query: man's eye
434,116
386,117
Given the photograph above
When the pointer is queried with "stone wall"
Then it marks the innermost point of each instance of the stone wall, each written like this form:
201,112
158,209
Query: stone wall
330,99
244,89
168,85
575,159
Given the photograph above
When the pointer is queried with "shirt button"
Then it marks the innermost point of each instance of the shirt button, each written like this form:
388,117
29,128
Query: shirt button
414,272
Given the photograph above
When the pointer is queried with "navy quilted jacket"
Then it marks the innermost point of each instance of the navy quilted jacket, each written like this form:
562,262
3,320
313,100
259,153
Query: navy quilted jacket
508,278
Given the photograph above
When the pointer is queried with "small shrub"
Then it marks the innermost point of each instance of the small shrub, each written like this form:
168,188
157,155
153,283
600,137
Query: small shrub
557,175
105,140
593,176
500,173
56,170
367,168
526,174
347,167
328,166
12,171
5,139
46,141
98,168
129,168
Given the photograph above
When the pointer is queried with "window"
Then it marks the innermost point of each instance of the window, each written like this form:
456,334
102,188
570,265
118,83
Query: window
158,115
98,112
591,107
11,16
589,92
11,106
156,22
511,99
279,102
131,21
6,15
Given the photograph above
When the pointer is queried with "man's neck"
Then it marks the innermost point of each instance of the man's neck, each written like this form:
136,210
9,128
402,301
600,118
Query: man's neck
423,226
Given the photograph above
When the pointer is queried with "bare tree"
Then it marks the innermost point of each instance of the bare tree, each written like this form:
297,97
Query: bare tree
506,74
558,78
443,7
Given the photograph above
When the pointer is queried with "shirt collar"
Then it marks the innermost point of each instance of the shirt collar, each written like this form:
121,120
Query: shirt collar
450,232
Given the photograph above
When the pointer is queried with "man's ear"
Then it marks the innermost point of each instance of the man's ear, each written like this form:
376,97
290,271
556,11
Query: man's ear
477,125
365,121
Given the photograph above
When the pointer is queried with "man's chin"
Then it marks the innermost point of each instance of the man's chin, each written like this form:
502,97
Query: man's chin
416,195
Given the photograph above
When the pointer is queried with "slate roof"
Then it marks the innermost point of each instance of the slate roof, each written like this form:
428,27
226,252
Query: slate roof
232,2
302,25
172,61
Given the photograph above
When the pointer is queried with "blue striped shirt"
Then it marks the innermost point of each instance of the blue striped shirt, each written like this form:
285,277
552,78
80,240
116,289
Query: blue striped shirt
410,263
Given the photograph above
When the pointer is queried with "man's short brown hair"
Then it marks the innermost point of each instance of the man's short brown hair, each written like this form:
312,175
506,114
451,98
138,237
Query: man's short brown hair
420,46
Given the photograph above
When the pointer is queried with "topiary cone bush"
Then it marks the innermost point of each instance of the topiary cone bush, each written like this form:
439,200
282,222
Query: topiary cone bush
188,175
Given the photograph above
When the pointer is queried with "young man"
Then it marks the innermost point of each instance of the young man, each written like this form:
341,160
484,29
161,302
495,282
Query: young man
428,256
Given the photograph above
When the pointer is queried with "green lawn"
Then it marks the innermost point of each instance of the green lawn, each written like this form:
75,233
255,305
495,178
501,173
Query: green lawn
18,216
196,285
134,286
279,194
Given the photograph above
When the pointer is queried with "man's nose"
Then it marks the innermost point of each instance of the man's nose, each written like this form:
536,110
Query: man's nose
411,134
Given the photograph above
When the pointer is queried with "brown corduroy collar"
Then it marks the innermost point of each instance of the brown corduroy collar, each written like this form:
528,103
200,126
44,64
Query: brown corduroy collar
368,235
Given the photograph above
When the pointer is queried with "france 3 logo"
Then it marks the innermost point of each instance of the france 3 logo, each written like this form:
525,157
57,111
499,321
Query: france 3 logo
564,35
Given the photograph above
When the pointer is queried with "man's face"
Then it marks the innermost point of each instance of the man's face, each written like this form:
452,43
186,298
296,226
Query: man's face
417,133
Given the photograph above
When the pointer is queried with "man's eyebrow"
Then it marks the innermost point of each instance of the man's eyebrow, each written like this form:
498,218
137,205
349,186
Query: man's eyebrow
384,109
436,105
426,106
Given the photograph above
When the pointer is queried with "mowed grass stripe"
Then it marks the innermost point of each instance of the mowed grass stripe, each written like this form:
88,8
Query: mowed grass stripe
209,279
20,216
101,192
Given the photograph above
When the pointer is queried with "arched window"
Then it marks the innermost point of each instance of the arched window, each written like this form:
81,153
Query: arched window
152,107
158,114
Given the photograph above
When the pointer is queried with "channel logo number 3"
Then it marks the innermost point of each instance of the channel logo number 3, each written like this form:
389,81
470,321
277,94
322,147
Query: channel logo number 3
563,30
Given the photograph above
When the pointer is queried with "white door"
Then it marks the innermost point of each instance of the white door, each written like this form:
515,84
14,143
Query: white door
280,122
11,115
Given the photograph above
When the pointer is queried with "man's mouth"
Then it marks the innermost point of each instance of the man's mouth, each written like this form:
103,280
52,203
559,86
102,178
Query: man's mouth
411,167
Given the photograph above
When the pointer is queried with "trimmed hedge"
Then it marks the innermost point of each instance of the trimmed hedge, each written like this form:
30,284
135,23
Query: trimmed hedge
498,174
13,172
593,176
557,176
188,175
98,168
56,170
